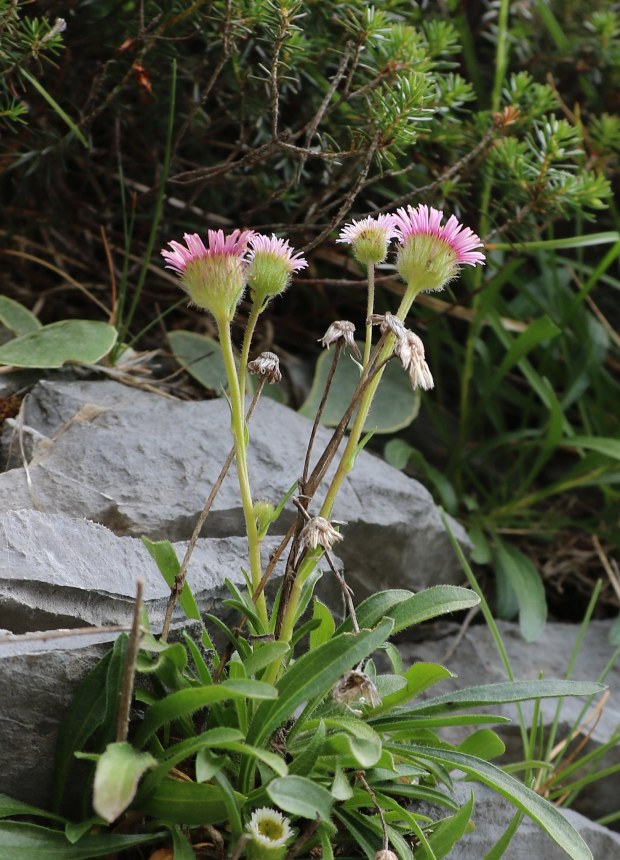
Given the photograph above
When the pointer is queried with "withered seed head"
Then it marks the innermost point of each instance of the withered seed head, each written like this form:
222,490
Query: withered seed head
341,329
319,532
266,365
356,686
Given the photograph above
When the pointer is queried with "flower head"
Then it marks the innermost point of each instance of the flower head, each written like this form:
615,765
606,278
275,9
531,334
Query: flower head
268,832
410,349
319,532
370,238
213,275
341,330
267,365
271,262
431,253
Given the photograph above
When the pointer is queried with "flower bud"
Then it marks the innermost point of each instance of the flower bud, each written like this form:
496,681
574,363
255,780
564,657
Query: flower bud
369,238
271,262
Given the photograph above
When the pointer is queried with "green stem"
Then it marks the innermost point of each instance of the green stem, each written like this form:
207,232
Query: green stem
238,428
344,467
370,306
247,343
350,452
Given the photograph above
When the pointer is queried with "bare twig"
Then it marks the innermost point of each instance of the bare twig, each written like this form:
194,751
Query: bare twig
347,592
349,197
462,631
609,565
62,634
126,691
316,119
317,418
361,777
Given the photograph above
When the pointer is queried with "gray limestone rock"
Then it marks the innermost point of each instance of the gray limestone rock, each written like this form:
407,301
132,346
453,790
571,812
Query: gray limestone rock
38,678
475,661
491,816
57,571
139,464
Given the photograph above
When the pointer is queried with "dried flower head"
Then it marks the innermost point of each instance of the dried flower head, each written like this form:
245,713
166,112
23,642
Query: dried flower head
386,854
271,262
387,323
431,253
341,330
369,238
214,276
268,832
319,532
266,365
410,349
356,686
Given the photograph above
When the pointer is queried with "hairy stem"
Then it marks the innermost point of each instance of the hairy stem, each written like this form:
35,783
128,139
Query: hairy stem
238,428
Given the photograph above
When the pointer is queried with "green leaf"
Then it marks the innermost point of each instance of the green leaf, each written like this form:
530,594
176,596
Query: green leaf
418,677
408,609
610,447
9,808
300,796
166,560
20,841
313,674
395,405
540,330
583,241
80,341
430,603
357,740
537,808
187,701
201,357
484,743
507,691
263,655
303,763
527,586
181,845
116,779
190,803
86,713
374,608
75,129
341,788
447,832
16,317
326,627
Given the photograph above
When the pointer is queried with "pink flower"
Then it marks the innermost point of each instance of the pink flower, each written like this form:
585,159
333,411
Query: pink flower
280,248
431,253
214,276
370,238
271,262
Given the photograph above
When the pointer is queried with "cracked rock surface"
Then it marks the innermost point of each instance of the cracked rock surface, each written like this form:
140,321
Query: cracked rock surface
90,467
